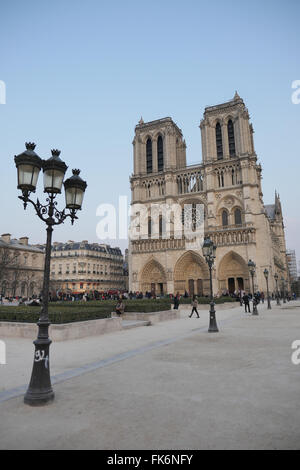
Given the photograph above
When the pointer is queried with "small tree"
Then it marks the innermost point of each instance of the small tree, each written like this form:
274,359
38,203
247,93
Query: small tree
9,268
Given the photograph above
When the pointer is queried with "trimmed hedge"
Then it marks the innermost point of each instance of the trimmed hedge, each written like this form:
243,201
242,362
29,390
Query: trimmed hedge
55,318
68,312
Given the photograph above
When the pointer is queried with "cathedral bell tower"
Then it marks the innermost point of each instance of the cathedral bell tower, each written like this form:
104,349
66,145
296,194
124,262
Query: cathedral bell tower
226,132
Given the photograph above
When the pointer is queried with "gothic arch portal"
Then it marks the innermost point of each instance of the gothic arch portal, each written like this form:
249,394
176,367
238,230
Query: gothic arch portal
191,274
233,273
153,278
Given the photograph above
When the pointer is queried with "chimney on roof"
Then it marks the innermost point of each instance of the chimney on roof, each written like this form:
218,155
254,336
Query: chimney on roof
24,241
6,237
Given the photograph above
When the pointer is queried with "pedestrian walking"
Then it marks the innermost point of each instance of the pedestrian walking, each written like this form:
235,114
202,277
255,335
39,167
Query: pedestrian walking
194,305
246,301
176,301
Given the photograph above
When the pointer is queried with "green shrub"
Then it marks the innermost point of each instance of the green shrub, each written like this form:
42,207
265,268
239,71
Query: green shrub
67,312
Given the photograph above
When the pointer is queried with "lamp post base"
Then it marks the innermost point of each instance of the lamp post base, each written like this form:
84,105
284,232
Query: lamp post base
269,303
255,311
38,398
40,390
213,328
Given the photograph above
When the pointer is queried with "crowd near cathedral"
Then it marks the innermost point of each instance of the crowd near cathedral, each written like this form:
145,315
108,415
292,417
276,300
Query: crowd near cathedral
228,184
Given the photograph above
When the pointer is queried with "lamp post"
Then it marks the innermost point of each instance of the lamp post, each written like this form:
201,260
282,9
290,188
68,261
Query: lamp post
252,266
286,290
277,293
283,289
266,274
28,166
209,253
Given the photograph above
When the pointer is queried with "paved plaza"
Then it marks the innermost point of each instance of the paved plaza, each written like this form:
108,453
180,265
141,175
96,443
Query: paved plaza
167,386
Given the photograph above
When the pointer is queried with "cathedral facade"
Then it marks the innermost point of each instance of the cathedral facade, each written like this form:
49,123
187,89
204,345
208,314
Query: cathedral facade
227,184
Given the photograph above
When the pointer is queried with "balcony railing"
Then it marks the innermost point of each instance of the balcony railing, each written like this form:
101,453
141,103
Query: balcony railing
233,235
221,236
140,246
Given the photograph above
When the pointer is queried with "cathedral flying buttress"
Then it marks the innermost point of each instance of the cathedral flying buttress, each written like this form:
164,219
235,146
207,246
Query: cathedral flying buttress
227,183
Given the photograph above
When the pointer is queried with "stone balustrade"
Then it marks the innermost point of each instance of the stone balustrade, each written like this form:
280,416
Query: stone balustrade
233,235
149,245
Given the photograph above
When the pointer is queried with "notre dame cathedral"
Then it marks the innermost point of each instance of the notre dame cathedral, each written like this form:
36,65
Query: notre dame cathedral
228,184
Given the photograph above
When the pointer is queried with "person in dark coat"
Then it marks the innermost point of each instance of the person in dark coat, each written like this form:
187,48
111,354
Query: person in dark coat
246,301
176,301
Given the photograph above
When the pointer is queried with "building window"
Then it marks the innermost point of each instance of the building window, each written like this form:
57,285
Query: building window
238,217
221,179
219,141
160,154
149,227
161,226
224,218
149,155
231,141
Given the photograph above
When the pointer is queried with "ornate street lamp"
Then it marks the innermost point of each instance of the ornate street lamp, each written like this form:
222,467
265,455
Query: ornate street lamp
283,289
266,274
209,253
28,166
277,293
252,266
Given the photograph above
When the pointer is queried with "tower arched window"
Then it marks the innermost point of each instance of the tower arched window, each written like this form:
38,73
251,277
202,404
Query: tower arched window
238,217
231,141
221,179
149,227
149,156
219,142
161,226
160,154
224,218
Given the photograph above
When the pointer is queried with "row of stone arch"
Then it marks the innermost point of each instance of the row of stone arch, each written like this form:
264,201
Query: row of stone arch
191,274
19,288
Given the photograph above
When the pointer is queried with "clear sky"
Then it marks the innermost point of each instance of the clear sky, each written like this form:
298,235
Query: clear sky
79,75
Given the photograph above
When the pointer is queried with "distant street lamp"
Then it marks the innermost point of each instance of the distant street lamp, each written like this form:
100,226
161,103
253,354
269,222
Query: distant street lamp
28,166
209,253
252,266
286,290
266,274
283,289
277,293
